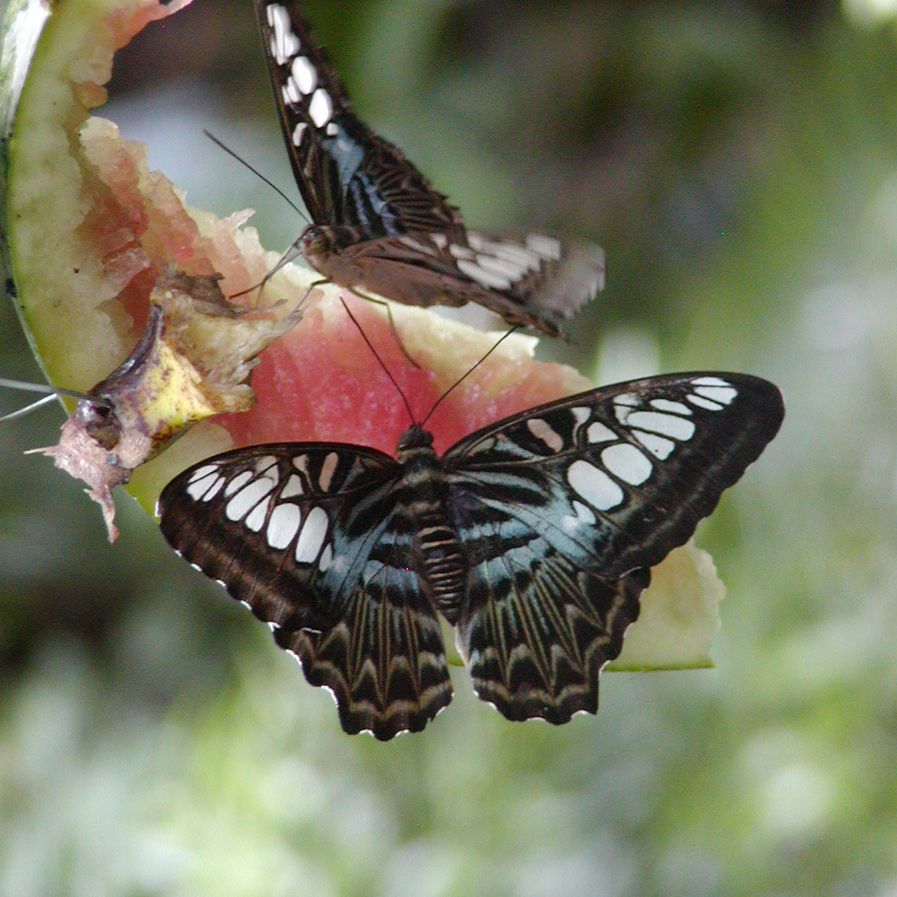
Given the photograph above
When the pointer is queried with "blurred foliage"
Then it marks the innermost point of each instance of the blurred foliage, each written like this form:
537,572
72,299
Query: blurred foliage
738,162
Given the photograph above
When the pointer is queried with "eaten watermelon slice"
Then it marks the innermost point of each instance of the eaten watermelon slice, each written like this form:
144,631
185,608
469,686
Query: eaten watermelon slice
91,231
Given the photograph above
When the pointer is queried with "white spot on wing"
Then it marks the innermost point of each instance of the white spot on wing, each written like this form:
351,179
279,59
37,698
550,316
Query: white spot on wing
704,403
461,252
293,487
711,381
320,109
597,432
581,413
582,517
629,399
657,445
417,246
248,498
304,74
298,131
724,394
667,405
284,42
326,559
202,472
483,277
547,247
542,430
256,519
290,92
627,462
583,513
213,490
327,471
657,422
312,536
501,267
594,485
265,463
478,241
205,483
516,254
237,483
283,525
506,251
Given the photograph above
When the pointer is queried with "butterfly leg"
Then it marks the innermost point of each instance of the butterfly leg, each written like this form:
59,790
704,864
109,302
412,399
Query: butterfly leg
295,316
392,323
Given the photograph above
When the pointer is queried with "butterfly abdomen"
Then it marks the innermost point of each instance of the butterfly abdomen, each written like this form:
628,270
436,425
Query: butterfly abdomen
424,496
441,564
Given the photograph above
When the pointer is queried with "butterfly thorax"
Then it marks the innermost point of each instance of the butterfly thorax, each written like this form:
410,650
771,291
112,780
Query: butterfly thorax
319,240
423,496
322,246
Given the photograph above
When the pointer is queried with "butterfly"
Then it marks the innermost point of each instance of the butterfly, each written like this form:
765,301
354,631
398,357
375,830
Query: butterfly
379,225
533,537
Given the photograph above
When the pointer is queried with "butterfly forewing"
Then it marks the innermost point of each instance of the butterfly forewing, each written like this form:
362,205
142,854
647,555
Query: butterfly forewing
617,477
347,174
308,537
378,223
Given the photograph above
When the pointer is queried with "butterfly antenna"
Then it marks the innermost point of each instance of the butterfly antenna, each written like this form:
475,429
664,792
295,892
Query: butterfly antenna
364,336
258,174
464,376
52,393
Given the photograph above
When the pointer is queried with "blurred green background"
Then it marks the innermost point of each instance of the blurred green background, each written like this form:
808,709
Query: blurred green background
738,162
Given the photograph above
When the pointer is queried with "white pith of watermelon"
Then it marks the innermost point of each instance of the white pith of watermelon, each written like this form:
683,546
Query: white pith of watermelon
90,228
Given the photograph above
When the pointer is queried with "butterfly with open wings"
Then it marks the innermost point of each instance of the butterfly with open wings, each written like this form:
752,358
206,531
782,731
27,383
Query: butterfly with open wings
533,537
379,225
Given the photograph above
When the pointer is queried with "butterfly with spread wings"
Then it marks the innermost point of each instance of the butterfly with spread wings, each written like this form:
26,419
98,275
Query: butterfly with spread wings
533,537
379,225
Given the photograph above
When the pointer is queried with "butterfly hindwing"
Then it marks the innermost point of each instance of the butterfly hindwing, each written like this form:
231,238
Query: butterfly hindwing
538,623
562,508
533,280
306,536
537,630
383,659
